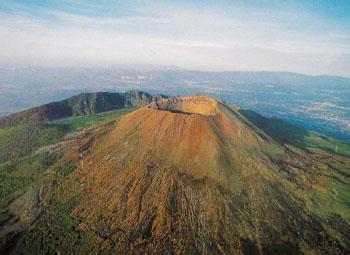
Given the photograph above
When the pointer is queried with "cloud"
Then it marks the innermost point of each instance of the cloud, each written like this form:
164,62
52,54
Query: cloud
206,39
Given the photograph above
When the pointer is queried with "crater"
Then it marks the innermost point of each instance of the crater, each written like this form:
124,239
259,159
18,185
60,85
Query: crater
202,105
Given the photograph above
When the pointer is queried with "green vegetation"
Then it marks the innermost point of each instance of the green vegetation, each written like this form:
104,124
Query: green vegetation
315,140
55,233
287,133
88,120
22,139
19,169
81,105
18,176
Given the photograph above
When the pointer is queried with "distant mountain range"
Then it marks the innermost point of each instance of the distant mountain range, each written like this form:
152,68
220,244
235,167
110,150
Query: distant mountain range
319,103
82,104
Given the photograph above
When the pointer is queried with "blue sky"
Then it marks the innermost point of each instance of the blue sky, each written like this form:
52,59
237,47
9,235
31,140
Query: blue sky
310,37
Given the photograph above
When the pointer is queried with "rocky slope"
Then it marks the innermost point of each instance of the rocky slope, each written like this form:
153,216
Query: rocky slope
83,104
191,175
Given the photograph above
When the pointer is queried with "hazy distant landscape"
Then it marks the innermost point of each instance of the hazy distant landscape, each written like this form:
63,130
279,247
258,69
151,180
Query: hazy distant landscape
319,103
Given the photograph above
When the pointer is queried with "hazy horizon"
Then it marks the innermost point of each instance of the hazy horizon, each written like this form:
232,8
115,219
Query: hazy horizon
151,67
293,36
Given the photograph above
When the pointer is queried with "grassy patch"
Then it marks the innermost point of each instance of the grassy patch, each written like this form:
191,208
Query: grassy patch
66,169
22,139
315,140
89,120
16,177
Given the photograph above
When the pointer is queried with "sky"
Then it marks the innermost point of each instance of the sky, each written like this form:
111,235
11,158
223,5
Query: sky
311,37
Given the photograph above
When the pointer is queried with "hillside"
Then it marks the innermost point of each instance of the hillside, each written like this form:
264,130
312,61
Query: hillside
83,104
184,175
295,135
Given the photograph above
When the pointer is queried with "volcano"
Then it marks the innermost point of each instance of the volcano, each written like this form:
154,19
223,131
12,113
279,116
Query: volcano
192,175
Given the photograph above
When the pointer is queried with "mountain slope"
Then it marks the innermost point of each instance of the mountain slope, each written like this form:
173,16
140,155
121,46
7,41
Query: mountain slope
83,104
190,175
295,135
